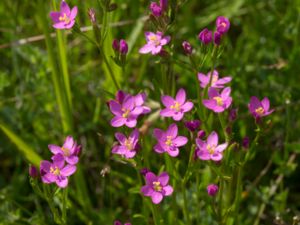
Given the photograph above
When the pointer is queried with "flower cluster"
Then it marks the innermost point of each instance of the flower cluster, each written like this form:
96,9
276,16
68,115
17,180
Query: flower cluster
222,26
63,163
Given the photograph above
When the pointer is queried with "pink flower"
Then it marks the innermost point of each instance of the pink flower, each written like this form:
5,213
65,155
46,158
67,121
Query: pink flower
117,222
187,48
65,19
56,172
176,107
210,150
156,9
69,150
157,187
215,82
259,108
218,102
168,141
223,24
155,42
205,36
212,189
128,146
127,109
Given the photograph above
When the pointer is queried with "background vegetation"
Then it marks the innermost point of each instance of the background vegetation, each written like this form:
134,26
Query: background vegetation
262,55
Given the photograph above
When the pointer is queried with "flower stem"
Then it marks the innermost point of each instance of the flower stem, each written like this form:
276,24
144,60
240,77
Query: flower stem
64,204
155,214
185,205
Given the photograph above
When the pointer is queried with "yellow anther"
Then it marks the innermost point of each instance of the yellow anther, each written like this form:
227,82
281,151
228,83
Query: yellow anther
176,106
126,113
211,149
128,144
55,170
66,151
64,18
169,141
157,186
219,100
260,111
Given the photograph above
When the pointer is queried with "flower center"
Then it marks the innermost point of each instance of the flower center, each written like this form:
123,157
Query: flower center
128,144
176,106
260,111
125,113
154,40
214,79
157,186
64,18
66,151
169,140
211,149
55,170
223,24
219,100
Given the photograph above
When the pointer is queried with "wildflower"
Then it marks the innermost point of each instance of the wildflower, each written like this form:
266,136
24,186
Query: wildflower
92,15
218,102
157,186
212,189
259,108
222,24
125,113
215,81
233,114
117,222
33,171
65,18
209,149
56,172
168,141
156,9
69,150
155,42
192,125
176,107
116,45
205,36
246,142
187,48
217,38
123,47
128,146
201,134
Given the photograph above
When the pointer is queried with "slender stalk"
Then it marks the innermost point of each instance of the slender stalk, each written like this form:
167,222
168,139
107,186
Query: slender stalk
155,214
64,204
109,69
185,205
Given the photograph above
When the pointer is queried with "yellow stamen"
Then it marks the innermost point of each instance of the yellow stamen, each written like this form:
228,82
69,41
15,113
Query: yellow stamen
214,79
64,18
223,24
154,39
219,100
55,170
157,186
169,141
128,144
126,113
260,111
211,149
66,151
176,106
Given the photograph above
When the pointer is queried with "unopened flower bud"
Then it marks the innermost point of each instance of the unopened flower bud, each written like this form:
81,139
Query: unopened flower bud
205,36
222,24
233,114
155,9
115,45
212,189
246,142
164,4
201,134
217,38
123,47
33,172
144,171
192,125
187,48
92,15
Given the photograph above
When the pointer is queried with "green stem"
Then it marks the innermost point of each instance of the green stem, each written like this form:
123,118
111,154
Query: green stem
64,203
185,205
223,125
155,214
109,69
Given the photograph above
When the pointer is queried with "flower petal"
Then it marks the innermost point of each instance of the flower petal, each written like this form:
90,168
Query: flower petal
172,130
216,156
222,147
168,190
212,139
68,170
180,96
265,104
146,49
115,108
147,190
167,101
163,178
187,106
64,8
156,197
55,149
118,121
73,159
62,182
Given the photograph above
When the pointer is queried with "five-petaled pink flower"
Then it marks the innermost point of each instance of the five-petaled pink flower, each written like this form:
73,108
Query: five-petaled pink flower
157,186
176,107
215,81
218,102
126,112
210,150
56,172
259,108
65,19
155,42
69,150
128,146
168,141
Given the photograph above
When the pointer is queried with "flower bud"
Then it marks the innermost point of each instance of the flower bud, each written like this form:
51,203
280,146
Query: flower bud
144,171
33,172
187,48
164,4
201,134
205,36
212,189
192,125
246,142
115,45
123,47
92,15
222,24
155,9
233,114
217,38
